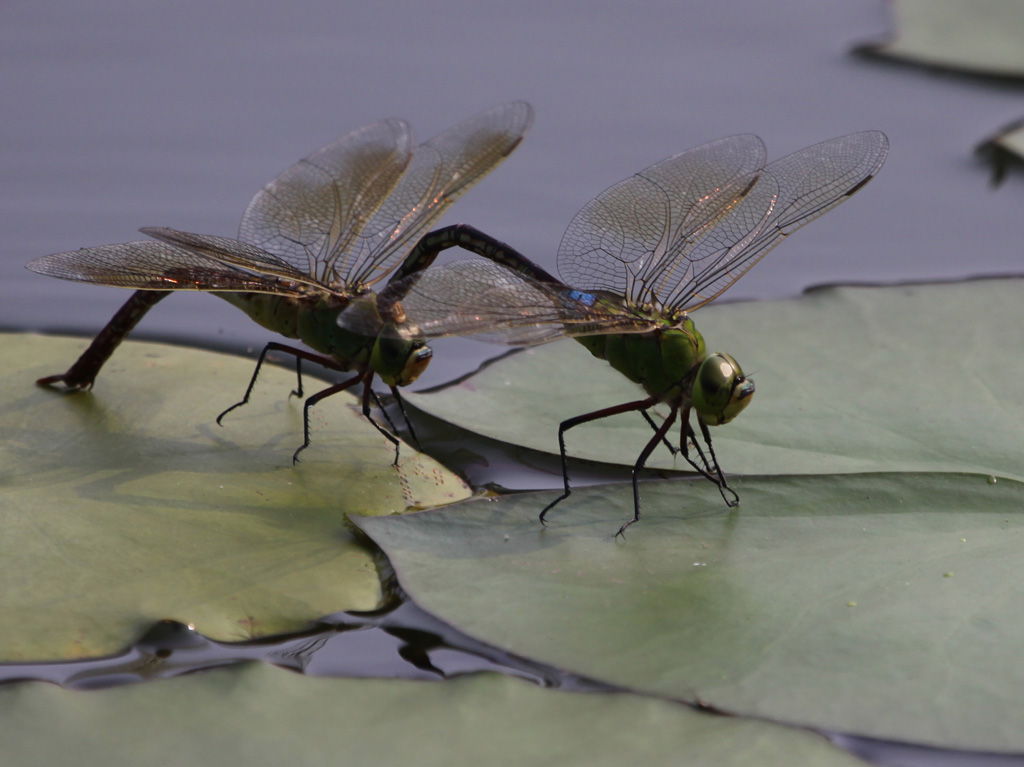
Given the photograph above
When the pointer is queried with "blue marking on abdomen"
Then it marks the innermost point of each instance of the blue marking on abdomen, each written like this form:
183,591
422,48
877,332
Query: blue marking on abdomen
587,298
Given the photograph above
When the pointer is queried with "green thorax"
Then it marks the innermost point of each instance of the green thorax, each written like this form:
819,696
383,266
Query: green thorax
662,361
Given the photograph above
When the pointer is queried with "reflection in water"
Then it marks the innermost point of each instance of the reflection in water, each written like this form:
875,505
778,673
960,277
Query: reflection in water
400,641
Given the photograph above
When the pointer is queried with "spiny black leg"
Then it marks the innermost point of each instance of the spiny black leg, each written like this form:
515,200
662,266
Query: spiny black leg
311,401
383,411
299,354
722,484
671,448
405,416
367,391
659,435
297,391
718,478
391,424
564,426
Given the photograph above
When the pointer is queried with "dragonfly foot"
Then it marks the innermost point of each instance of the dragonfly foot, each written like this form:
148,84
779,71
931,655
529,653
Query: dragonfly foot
71,386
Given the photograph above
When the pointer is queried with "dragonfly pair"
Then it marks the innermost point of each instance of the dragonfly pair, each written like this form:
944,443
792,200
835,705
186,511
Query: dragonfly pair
636,260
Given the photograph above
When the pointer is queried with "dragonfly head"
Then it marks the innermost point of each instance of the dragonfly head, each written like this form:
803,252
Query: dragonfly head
399,361
720,390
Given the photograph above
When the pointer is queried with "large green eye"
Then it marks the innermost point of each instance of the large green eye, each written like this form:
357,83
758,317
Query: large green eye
720,390
398,361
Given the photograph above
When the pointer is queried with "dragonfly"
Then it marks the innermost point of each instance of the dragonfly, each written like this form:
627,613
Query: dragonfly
318,236
637,261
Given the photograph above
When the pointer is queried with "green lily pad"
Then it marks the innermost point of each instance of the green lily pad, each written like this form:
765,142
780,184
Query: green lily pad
259,715
887,605
980,37
129,504
849,379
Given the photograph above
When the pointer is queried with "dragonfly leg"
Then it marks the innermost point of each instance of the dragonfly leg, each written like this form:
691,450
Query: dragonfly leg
320,395
722,484
659,435
297,391
564,426
671,448
83,372
710,470
300,354
405,416
367,392
391,424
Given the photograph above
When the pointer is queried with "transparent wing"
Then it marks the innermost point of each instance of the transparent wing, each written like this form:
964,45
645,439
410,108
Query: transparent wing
483,299
810,183
233,253
312,214
681,232
149,265
442,170
635,236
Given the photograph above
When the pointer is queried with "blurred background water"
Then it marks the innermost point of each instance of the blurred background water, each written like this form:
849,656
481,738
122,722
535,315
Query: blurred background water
124,114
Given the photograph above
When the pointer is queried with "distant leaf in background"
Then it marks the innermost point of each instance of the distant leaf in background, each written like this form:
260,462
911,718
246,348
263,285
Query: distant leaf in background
980,37
128,505
1004,151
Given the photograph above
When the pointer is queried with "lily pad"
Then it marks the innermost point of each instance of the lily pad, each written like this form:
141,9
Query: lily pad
981,37
259,715
886,605
849,379
129,504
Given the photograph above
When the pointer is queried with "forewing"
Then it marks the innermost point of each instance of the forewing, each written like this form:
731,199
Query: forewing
313,213
442,170
232,253
150,265
479,298
810,183
636,237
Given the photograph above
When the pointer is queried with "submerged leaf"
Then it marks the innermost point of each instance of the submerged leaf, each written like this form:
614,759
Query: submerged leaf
129,504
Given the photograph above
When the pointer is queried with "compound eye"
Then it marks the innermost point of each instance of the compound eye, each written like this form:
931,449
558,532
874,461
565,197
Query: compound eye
720,390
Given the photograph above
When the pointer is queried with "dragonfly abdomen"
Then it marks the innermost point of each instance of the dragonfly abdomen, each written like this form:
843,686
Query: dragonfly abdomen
279,314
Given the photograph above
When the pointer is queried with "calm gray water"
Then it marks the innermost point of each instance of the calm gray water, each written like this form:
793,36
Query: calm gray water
126,114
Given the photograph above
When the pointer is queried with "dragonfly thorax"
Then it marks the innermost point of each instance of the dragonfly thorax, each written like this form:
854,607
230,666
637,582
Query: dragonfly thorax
720,390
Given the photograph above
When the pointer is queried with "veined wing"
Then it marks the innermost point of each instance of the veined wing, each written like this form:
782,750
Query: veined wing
482,299
233,253
811,182
150,265
632,237
442,170
682,254
310,215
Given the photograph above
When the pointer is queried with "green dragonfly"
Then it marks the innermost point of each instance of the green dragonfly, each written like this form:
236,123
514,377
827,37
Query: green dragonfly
318,236
639,259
